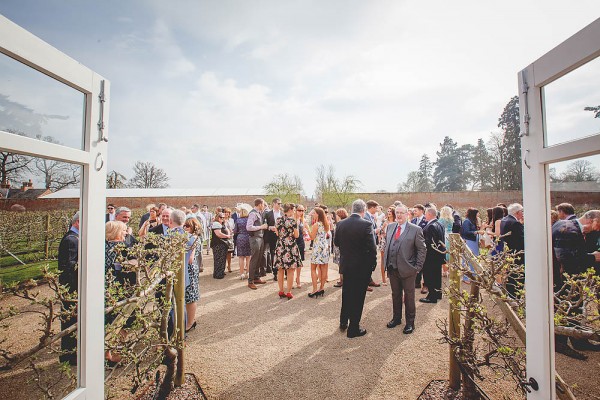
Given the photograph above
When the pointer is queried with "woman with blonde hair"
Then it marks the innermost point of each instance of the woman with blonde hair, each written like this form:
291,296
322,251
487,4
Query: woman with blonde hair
192,291
243,240
319,259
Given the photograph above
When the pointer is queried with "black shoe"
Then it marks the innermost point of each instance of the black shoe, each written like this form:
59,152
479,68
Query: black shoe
191,327
427,300
408,329
393,323
343,326
569,352
584,344
356,333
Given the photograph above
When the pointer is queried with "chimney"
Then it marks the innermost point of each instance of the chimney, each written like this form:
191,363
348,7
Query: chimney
26,186
5,185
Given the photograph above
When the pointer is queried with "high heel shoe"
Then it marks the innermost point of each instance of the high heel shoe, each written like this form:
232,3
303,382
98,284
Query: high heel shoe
281,295
191,327
320,293
289,296
311,295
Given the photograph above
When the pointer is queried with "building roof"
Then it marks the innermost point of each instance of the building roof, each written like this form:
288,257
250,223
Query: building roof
19,194
590,186
167,192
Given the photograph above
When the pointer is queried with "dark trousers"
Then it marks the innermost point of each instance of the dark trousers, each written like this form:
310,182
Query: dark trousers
257,251
270,247
418,280
353,299
402,286
68,344
432,276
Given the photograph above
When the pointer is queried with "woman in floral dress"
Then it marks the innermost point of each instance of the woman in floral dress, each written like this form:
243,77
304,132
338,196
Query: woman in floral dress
287,254
319,259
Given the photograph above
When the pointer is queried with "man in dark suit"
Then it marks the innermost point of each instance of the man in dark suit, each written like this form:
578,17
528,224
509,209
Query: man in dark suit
162,228
404,257
68,255
270,236
110,213
573,256
512,234
420,221
358,253
434,234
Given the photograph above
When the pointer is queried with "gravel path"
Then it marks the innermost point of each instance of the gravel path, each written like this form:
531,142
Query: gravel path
249,344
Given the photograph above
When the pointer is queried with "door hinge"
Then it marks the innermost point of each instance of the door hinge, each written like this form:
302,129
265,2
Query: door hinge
524,92
101,125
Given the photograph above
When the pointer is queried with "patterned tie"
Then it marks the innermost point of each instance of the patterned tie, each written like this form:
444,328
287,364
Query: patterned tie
398,232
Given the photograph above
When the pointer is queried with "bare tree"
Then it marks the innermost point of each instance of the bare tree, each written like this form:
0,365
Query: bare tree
580,171
335,191
13,166
115,180
286,187
148,175
56,174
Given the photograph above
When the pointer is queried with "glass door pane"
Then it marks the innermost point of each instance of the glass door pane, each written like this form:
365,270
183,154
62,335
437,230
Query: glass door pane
35,105
572,105
39,250
575,191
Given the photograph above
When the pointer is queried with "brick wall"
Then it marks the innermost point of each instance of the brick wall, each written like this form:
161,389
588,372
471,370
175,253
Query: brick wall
460,200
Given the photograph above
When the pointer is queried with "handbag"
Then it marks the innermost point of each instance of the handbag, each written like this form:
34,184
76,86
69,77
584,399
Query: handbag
229,243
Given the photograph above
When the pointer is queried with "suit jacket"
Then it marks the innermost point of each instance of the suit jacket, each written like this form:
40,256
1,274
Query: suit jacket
269,218
369,217
516,240
358,253
411,252
570,247
435,234
158,230
68,254
421,224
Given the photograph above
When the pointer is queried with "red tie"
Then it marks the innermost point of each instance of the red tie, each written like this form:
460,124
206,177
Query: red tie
398,232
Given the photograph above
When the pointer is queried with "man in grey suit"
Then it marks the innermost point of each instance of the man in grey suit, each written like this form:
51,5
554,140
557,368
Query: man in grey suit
404,257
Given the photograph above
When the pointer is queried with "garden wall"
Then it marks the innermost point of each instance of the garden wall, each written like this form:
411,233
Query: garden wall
460,200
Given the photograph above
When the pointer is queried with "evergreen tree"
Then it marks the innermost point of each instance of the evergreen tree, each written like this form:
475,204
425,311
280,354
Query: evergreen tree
424,175
448,174
481,176
510,125
411,184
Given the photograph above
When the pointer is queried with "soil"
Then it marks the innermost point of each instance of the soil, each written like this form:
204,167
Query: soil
250,344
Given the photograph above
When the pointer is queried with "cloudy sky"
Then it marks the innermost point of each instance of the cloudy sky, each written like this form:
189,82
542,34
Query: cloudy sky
229,93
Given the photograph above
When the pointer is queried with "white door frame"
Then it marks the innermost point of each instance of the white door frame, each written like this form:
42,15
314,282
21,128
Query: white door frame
26,48
582,47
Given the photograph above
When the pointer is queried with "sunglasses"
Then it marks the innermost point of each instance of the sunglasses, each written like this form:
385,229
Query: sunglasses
299,210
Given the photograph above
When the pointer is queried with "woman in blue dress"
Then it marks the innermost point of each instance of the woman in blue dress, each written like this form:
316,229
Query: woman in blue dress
243,241
469,231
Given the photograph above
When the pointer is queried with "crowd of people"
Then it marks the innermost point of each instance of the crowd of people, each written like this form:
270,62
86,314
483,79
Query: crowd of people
410,242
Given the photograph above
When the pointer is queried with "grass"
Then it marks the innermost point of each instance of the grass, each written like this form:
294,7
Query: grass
21,273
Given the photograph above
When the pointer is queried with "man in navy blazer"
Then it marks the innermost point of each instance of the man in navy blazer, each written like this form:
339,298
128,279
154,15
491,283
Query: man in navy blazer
512,234
404,257
358,254
434,234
